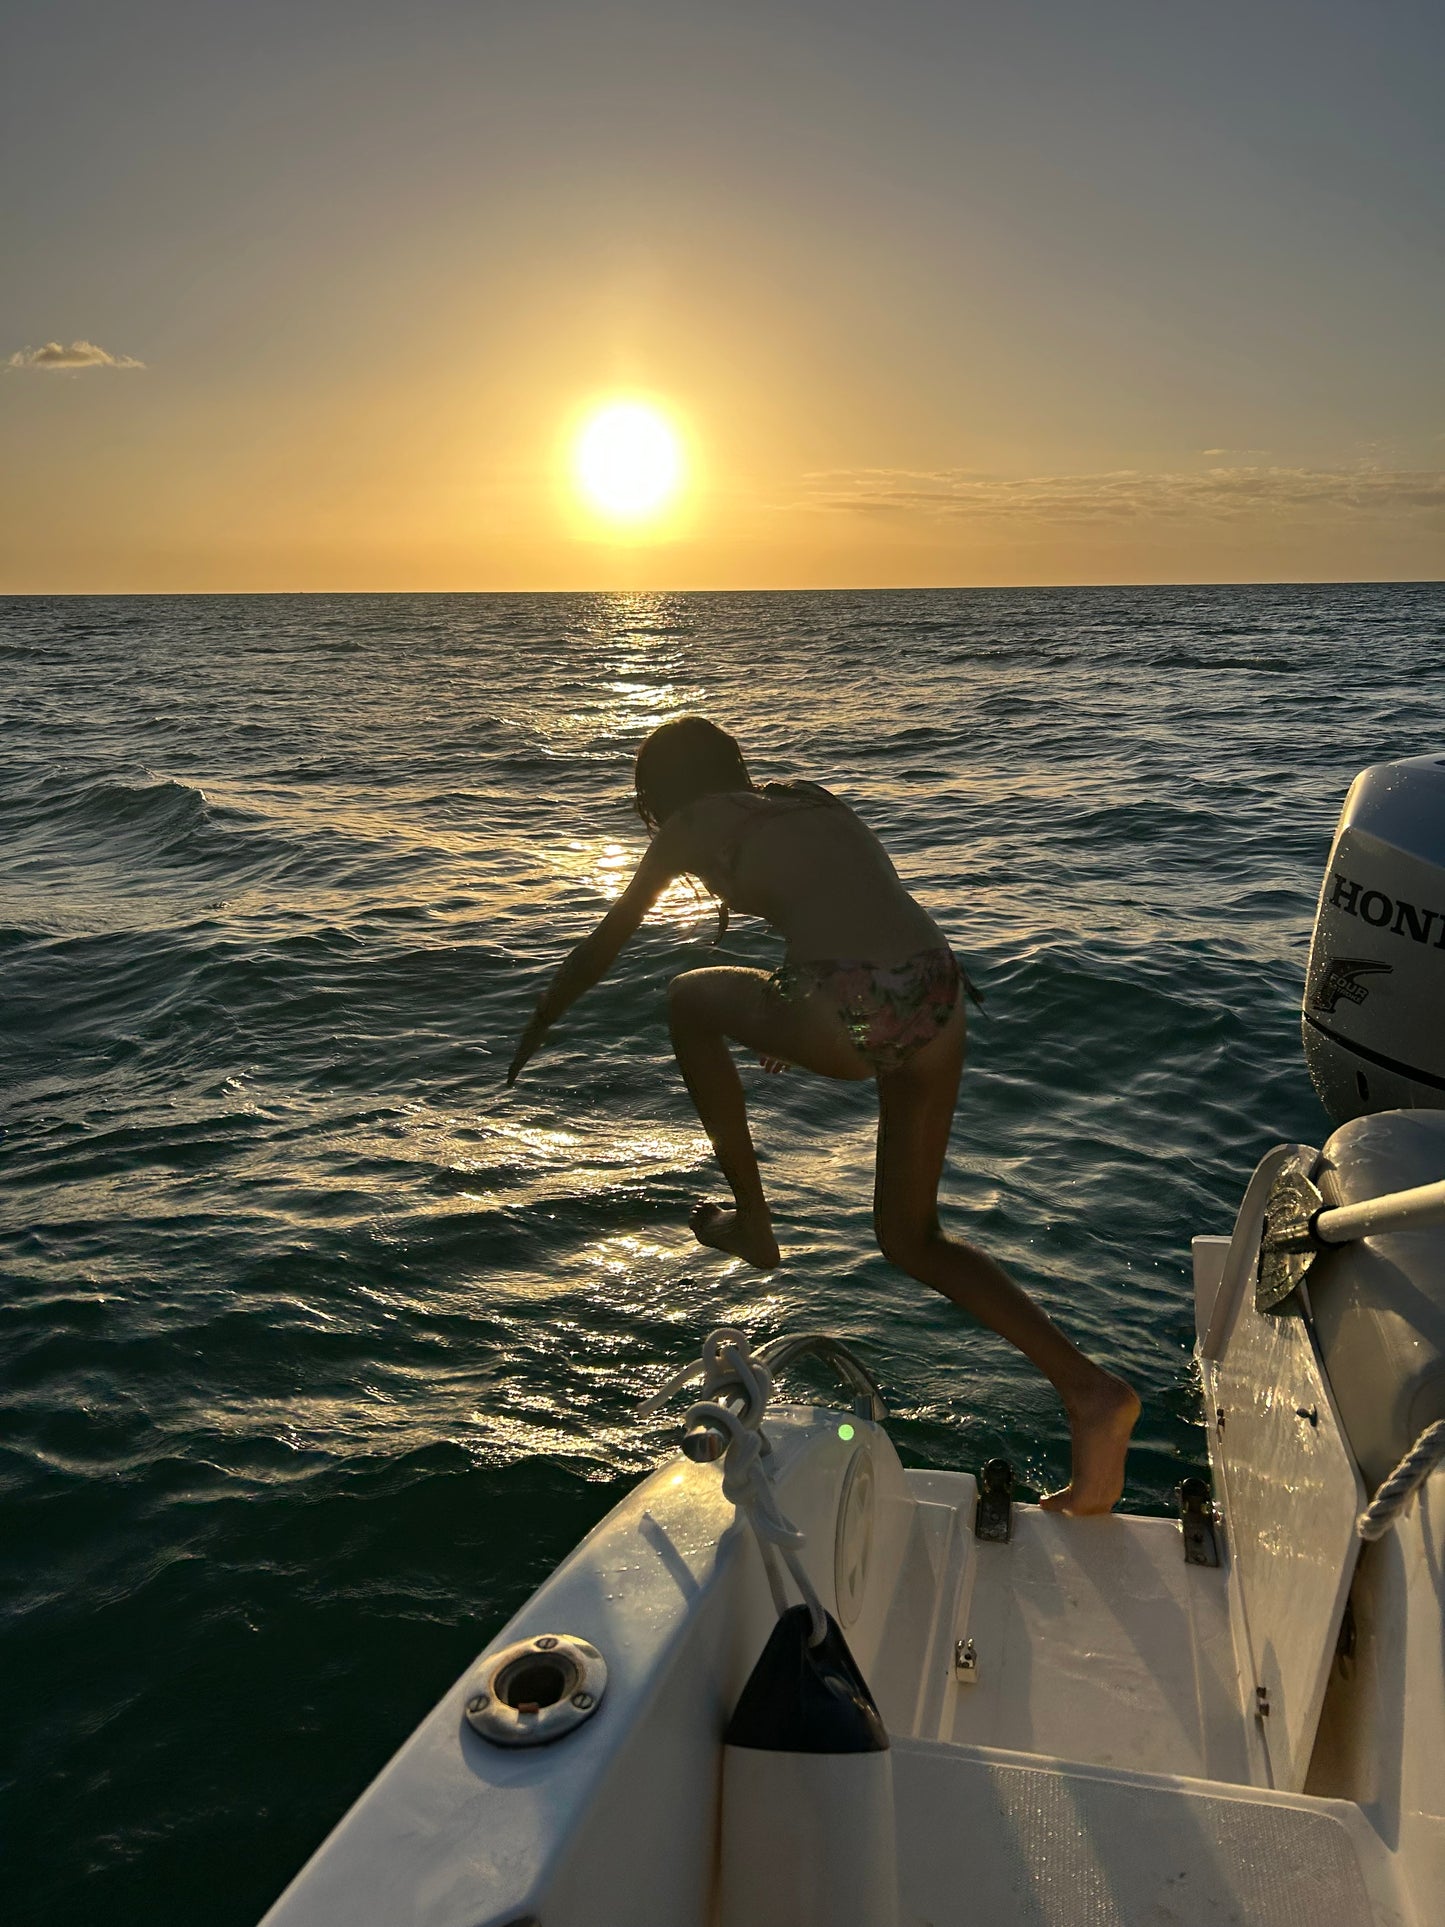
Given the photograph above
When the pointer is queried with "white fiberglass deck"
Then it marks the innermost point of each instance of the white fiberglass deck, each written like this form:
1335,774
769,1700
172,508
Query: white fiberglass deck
1094,1642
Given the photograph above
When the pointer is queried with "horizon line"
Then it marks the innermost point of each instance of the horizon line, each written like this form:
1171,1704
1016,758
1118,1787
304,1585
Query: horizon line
897,588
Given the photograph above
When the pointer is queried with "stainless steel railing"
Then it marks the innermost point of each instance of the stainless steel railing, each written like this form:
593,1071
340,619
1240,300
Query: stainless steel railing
845,1363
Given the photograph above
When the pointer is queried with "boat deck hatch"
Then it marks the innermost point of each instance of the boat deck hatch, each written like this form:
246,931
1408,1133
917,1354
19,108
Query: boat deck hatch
1096,1642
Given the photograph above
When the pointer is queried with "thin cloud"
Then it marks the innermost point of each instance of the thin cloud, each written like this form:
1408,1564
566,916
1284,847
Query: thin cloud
80,354
1221,493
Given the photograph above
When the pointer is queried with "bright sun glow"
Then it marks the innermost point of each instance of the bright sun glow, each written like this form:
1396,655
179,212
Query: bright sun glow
628,461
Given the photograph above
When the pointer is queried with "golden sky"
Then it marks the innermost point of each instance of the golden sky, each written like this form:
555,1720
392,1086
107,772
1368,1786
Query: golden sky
319,298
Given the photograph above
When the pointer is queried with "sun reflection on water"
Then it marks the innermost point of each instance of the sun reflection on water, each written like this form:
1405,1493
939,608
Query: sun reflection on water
604,869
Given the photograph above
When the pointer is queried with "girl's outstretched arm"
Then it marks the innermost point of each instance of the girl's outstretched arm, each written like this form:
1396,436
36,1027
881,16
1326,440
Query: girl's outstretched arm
594,956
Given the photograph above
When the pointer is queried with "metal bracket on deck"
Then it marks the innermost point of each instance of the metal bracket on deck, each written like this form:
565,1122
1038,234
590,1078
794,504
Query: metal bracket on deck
1288,1245
1197,1517
994,1518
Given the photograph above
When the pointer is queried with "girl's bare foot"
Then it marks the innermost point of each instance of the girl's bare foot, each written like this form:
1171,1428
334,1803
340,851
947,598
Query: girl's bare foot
740,1237
1101,1420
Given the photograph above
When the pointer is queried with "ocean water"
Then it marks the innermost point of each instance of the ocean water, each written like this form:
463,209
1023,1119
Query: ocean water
320,1348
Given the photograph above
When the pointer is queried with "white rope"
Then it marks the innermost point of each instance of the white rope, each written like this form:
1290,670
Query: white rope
727,1365
1396,1492
726,1362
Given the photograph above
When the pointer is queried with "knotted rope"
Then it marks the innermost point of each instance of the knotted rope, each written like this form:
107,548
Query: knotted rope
1396,1492
727,1367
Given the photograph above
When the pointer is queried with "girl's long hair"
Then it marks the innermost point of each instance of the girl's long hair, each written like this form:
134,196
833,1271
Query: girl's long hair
683,760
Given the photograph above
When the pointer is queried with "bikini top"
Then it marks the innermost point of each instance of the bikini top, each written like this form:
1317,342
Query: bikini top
801,795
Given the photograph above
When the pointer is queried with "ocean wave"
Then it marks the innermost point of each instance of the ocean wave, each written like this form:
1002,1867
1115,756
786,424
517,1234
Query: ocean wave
1189,659
1143,820
162,810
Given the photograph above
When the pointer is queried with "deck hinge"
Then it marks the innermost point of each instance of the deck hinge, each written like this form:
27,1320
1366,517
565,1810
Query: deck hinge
1199,1523
1261,1702
993,1519
965,1662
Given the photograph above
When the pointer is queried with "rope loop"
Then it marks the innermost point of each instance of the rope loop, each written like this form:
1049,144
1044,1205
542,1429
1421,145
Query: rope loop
728,1369
726,1366
1408,1476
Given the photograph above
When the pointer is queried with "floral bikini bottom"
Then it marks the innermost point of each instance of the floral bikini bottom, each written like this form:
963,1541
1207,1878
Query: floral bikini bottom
890,1010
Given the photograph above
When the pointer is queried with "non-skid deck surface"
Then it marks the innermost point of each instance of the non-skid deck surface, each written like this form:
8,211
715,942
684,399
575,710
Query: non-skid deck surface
984,1840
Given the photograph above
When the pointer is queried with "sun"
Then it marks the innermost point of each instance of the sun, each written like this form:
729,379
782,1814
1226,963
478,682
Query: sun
627,462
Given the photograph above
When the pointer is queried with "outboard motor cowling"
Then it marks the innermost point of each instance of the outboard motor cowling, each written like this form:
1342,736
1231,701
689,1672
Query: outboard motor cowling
1379,1302
1374,1006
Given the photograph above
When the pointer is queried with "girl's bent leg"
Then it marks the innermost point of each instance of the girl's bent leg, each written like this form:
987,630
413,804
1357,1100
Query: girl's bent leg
705,1009
915,1114
716,1089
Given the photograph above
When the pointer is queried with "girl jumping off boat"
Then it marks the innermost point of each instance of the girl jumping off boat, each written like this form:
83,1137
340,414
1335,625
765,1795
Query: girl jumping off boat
868,988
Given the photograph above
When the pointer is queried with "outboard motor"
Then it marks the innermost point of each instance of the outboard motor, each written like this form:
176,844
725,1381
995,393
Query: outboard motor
1374,1006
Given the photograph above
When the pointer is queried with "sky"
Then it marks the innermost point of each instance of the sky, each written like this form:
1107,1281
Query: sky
317,296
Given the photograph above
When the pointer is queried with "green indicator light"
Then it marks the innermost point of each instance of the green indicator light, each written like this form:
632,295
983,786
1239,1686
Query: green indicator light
845,1431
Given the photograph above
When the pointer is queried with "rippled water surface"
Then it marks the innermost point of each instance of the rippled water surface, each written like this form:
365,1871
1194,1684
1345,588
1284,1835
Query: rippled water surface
319,1348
